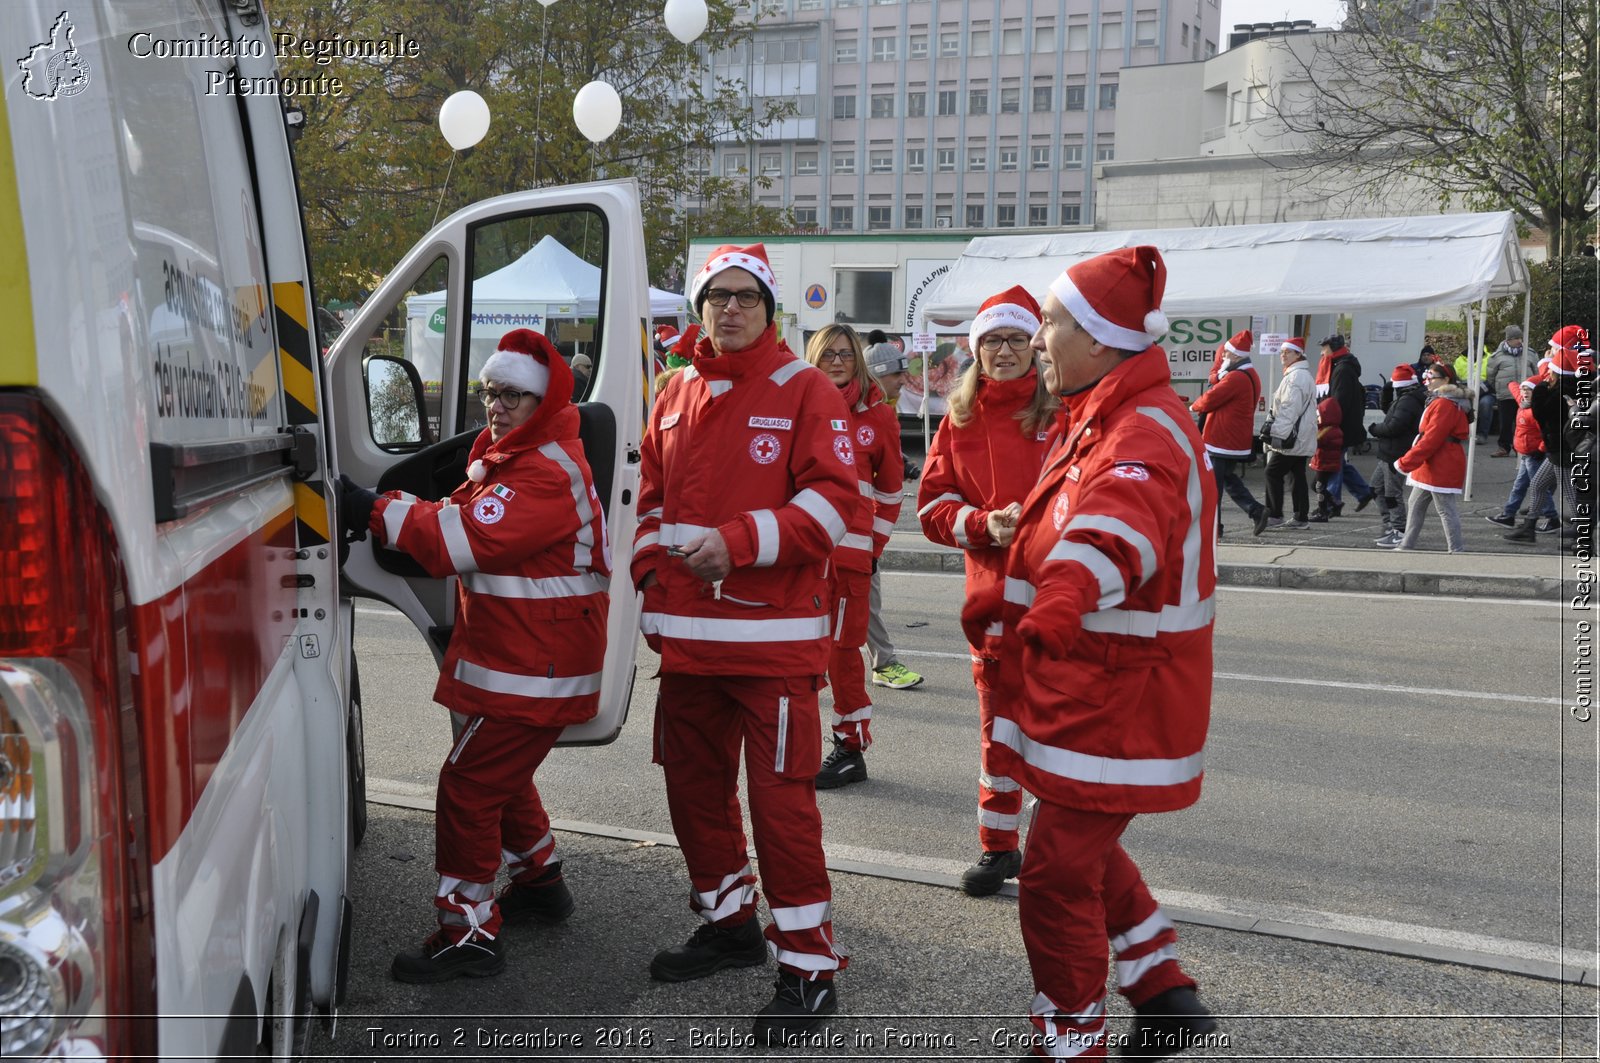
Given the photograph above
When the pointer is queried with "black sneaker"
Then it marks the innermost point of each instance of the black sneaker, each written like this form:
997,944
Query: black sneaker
841,768
1502,520
546,900
1167,1024
1260,520
991,870
797,1006
1548,524
440,959
1363,503
709,949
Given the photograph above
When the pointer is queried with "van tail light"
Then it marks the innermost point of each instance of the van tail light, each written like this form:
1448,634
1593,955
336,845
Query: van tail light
76,974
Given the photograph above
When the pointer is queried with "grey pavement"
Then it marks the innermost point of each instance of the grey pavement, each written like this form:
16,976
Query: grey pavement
1340,555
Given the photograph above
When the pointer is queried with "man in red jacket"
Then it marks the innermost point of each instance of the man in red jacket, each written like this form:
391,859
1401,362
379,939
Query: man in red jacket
748,483
1110,601
1229,406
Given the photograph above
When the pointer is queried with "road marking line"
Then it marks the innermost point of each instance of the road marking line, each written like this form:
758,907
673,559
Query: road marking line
1528,958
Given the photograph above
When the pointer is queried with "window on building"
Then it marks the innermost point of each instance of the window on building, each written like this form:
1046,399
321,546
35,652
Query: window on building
1236,107
911,218
1038,215
947,101
916,160
733,164
841,218
943,217
1183,34
1144,31
974,215
846,3
1075,95
1108,96
1256,103
1072,155
878,217
863,294
977,158
1044,98
1111,35
1008,158
883,105
805,217
1010,100
700,162
1078,37
883,49
1072,214
880,162
844,106
945,159
809,5
1211,49
919,46
1011,41
949,44
805,163
844,162
916,104
844,50
978,43
977,101
771,162
1104,151
1044,38
1005,216
1039,158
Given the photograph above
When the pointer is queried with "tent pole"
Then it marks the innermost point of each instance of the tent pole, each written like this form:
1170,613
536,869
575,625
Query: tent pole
1475,326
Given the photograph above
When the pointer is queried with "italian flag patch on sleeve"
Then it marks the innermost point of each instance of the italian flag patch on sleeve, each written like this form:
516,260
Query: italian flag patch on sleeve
838,426
504,492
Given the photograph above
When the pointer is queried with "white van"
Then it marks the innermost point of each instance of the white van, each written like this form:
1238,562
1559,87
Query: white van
181,770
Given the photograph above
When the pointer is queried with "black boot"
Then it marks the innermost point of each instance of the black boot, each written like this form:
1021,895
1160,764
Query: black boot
841,768
990,872
442,957
1524,532
544,900
709,949
797,1006
1167,1024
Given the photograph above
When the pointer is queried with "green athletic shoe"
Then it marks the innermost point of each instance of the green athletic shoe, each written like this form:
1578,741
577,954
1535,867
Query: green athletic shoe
895,676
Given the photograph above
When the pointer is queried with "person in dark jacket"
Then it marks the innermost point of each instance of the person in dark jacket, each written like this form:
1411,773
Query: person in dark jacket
1394,435
1339,374
1569,372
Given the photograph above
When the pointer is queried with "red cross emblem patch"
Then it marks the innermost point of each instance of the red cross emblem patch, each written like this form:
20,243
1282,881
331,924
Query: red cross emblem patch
843,451
1058,513
765,448
865,435
488,510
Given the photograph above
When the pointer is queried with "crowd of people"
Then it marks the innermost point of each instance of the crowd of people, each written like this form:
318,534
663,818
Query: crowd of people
1084,498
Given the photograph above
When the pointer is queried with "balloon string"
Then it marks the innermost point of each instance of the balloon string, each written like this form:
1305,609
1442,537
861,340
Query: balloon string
443,190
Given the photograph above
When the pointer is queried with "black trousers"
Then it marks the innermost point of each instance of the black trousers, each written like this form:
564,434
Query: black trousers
1508,422
1279,466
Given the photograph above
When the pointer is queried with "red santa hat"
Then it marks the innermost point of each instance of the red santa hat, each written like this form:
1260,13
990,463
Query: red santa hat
666,335
1241,344
1297,344
1571,338
752,259
1568,362
1116,297
1404,375
522,361
1012,308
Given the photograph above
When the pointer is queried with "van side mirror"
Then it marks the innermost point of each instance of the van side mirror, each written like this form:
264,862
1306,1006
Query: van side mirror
394,403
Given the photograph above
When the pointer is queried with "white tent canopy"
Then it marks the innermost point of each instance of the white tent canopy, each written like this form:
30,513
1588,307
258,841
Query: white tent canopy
1311,267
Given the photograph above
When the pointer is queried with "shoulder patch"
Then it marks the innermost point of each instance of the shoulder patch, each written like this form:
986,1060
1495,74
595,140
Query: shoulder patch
1130,470
487,510
843,451
504,492
669,420
781,423
837,426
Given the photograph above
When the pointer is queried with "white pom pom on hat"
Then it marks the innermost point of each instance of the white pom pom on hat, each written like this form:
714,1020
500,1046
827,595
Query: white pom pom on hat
1116,297
478,472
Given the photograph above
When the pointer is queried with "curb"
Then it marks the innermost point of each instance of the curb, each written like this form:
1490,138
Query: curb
1299,577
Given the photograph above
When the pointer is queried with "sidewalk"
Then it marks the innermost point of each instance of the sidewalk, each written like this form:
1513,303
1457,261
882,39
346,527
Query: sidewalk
1340,554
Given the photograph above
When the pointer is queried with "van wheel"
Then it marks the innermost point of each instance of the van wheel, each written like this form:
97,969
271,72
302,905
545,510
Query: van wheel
356,757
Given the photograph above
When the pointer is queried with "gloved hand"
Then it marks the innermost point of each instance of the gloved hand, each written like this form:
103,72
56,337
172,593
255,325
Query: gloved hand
981,610
1053,624
355,508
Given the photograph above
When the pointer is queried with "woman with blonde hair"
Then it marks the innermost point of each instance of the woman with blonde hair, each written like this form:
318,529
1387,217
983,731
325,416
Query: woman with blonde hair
983,462
872,439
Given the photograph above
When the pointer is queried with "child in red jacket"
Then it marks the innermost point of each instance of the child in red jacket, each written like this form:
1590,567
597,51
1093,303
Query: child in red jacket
1528,442
1329,458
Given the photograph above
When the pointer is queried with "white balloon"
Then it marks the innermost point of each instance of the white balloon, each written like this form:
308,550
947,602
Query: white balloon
686,19
597,109
547,3
464,119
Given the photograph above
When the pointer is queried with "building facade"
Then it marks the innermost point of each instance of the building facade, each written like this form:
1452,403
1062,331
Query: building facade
944,114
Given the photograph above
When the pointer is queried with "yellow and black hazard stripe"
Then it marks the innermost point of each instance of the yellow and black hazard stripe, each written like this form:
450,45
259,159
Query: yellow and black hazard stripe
298,372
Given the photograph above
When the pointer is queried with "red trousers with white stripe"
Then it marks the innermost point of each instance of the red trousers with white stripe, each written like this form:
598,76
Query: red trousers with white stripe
1077,889
852,708
489,812
999,796
701,723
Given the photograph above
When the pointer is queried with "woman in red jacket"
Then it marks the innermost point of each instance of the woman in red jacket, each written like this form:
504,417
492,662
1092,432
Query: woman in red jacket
875,439
983,462
1437,462
1329,458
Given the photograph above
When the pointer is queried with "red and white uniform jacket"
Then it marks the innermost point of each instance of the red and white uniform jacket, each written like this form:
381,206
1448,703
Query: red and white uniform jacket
1527,438
755,444
1230,409
986,464
875,430
529,544
1124,517
1437,460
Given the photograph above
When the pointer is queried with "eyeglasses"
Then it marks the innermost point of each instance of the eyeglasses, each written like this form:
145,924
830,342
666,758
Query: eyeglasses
836,356
993,343
747,297
509,399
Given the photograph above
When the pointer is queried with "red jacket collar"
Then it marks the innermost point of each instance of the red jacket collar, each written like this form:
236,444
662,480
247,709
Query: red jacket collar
758,359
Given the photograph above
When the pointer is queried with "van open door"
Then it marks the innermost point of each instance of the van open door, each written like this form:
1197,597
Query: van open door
568,262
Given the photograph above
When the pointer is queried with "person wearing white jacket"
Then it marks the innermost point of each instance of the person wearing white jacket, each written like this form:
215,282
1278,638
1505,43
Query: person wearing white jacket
1291,438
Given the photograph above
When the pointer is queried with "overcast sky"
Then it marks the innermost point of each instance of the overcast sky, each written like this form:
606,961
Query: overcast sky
1323,12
